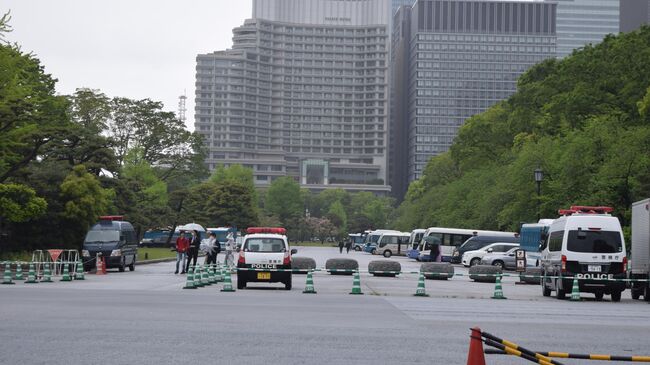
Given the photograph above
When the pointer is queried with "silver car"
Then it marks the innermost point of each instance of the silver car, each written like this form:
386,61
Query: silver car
506,260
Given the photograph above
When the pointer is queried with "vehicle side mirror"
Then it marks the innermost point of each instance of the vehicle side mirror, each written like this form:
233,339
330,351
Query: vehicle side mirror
490,250
294,251
511,254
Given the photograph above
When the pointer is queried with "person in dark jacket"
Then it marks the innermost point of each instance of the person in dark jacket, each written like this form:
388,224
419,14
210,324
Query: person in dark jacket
435,252
341,244
348,245
193,251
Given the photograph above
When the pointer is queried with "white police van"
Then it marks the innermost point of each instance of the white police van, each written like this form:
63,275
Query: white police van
587,243
264,248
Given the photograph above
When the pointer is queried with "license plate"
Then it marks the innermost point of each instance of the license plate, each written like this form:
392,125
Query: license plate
263,276
594,268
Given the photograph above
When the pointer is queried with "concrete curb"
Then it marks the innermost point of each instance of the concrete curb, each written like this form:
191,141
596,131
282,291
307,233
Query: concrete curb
155,261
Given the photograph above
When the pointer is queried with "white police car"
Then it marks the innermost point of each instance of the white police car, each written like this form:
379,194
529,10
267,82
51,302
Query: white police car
265,248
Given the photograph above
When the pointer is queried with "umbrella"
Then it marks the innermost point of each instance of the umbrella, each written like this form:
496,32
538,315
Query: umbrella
191,227
432,239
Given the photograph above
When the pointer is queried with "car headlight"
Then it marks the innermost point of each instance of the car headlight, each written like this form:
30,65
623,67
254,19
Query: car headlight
85,253
116,253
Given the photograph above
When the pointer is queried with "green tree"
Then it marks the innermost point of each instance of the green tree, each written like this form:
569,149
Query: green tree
233,203
283,200
83,197
339,219
19,203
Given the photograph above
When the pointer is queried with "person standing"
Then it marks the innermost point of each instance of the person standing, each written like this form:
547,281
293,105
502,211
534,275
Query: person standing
193,251
229,260
348,245
182,243
214,248
341,244
435,253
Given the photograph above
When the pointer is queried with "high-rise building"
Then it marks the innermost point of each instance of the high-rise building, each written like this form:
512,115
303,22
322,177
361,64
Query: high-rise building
303,92
582,22
396,4
634,13
452,59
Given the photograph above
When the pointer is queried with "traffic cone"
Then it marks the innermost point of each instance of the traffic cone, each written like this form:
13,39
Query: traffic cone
197,276
66,273
205,279
475,355
19,271
7,275
498,291
420,291
79,274
356,284
31,276
575,290
100,269
227,283
47,274
309,286
189,282
218,277
211,278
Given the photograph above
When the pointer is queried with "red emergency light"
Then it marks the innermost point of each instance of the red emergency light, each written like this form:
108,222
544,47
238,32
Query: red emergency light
274,230
585,210
111,218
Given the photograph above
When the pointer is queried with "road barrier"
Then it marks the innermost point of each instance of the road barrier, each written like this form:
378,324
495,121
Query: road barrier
575,291
565,355
7,280
227,283
31,276
189,280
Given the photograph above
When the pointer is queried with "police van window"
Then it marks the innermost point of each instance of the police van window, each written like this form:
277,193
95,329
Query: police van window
102,236
264,245
594,241
555,241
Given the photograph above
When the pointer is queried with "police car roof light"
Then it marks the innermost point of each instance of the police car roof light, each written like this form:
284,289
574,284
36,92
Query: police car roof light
111,218
575,209
274,230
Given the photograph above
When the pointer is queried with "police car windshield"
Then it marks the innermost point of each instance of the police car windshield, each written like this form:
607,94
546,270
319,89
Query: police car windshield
102,236
264,245
594,241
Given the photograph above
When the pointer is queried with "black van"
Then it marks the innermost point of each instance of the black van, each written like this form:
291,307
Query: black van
115,240
476,242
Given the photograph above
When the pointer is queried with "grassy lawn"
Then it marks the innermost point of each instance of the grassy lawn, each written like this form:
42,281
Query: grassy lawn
155,253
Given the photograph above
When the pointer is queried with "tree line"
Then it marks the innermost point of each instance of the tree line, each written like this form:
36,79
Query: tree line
65,160
584,120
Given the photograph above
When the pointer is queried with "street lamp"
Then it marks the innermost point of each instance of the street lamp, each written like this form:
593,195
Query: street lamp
539,176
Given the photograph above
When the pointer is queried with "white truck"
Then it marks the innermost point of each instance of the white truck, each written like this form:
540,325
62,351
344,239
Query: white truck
640,249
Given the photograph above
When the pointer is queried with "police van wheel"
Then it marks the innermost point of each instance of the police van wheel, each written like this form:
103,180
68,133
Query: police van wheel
287,284
599,296
132,266
646,295
616,296
559,292
241,283
636,294
122,265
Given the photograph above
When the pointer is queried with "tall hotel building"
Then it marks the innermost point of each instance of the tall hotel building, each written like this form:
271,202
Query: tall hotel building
303,92
582,22
452,59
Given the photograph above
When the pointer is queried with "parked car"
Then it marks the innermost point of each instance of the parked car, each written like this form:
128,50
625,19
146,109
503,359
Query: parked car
476,242
507,260
471,258
115,240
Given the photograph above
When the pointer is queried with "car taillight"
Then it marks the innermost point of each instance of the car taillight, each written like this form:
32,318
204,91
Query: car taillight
287,259
563,263
624,264
241,259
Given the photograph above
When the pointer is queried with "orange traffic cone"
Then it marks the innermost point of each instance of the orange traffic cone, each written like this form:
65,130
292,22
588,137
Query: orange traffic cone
99,266
475,355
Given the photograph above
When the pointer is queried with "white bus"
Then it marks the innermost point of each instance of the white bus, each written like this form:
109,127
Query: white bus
451,238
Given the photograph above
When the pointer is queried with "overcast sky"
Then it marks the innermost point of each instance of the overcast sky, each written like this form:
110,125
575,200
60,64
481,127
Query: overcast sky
131,48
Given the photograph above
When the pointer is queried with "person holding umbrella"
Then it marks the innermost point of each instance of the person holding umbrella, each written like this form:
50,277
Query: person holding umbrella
193,251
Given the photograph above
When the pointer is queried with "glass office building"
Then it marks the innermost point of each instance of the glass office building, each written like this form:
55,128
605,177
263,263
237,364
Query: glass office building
581,22
454,59
303,93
